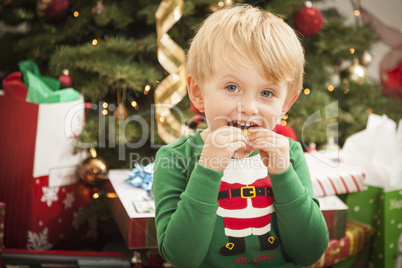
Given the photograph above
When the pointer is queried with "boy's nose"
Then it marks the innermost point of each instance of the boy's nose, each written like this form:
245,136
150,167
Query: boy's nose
248,106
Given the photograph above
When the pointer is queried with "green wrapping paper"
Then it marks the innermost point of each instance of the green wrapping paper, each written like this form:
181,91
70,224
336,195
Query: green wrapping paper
42,89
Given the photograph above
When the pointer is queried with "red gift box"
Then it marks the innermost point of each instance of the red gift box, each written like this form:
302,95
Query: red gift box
356,239
38,175
335,214
132,212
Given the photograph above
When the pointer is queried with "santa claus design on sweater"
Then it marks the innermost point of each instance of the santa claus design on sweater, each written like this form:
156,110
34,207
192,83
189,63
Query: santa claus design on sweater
246,204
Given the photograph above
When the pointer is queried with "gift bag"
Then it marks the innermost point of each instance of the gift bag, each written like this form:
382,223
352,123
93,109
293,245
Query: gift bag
378,150
38,179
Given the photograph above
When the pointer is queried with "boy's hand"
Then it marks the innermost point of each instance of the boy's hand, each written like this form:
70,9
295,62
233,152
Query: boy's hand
273,148
220,145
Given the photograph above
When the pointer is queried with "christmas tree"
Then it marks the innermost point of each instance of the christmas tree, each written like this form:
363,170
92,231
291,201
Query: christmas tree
110,50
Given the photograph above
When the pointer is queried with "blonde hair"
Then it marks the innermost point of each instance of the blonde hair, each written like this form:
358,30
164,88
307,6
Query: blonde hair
243,32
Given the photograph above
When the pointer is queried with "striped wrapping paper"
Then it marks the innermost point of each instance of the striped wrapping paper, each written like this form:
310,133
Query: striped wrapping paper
332,178
137,228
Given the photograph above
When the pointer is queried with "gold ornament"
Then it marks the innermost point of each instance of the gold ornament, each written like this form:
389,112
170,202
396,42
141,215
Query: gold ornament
173,88
355,73
93,171
221,4
366,58
121,112
98,9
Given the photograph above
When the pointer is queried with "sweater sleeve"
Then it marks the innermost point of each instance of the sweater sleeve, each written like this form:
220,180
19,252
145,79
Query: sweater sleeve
301,225
185,211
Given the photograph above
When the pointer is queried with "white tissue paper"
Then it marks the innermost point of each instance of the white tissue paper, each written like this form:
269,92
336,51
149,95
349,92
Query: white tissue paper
378,151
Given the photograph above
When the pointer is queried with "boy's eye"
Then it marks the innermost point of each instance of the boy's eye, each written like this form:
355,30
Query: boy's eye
232,88
266,93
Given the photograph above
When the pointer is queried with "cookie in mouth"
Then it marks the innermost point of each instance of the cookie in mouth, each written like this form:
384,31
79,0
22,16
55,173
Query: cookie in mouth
243,126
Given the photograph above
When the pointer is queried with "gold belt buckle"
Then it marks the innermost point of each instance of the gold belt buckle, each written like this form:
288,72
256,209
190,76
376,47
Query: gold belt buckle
250,190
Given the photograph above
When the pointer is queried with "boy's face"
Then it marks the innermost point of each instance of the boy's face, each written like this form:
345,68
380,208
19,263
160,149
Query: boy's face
238,95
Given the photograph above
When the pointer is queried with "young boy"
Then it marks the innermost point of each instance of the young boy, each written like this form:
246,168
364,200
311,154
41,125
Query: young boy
237,193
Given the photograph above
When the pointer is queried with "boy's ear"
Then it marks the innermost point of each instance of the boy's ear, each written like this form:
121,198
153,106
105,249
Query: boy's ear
195,92
288,103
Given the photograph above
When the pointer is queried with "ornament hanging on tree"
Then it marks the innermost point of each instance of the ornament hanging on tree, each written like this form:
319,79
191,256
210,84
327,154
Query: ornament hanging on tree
355,73
93,172
221,4
98,9
52,11
366,58
391,64
121,112
65,79
391,73
308,20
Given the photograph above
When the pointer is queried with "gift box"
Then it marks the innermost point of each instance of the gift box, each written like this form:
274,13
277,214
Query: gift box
335,214
333,178
133,209
356,239
38,171
380,205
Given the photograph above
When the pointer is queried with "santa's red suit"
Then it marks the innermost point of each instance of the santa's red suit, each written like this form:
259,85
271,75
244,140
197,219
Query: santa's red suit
245,198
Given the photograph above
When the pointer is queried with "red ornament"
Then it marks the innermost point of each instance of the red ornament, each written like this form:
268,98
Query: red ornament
391,73
308,21
286,131
52,11
65,79
395,76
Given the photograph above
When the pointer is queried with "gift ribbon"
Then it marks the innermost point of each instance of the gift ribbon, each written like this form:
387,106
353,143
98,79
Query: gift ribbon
172,58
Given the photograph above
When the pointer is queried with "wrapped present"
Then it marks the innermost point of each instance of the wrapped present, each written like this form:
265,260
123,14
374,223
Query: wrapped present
134,211
356,239
335,214
38,170
380,205
333,178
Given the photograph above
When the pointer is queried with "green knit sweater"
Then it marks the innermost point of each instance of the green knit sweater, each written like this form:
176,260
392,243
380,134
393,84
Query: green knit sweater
191,233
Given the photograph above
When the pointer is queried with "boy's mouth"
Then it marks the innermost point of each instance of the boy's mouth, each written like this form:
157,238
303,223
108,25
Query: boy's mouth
241,125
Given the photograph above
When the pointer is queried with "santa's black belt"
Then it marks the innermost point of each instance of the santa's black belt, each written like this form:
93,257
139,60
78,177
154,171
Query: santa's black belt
246,192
